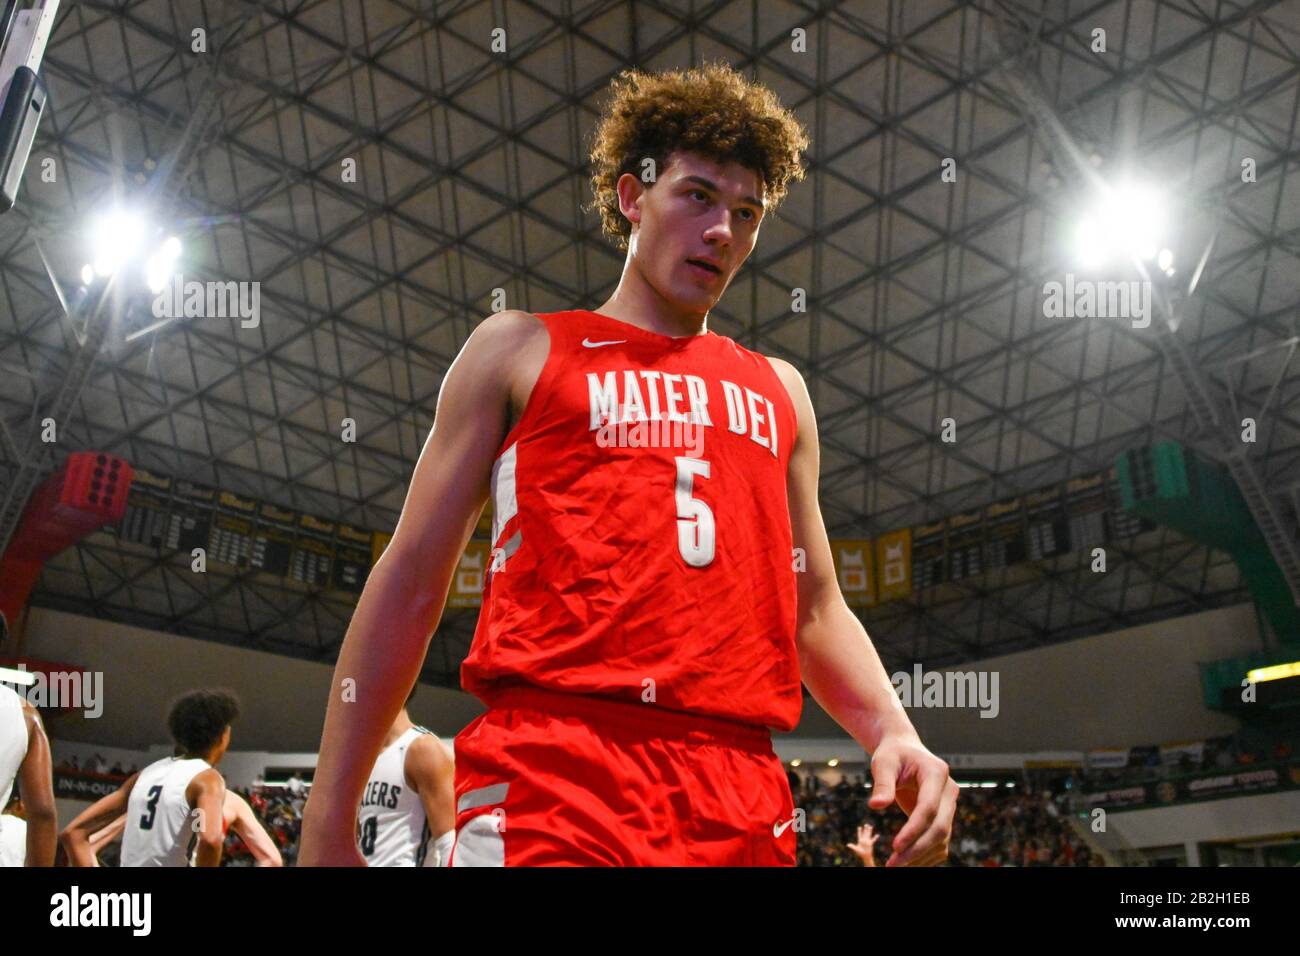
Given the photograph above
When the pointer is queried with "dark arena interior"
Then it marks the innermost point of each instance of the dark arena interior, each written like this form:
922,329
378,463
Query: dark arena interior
823,434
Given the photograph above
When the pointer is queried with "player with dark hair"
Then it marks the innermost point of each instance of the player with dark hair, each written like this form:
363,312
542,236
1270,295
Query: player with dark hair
661,578
174,805
236,817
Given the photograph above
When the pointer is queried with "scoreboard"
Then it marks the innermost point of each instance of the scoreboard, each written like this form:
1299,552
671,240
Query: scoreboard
1007,537
929,549
1049,529
313,551
145,521
190,523
232,529
273,539
175,515
1085,504
966,544
351,558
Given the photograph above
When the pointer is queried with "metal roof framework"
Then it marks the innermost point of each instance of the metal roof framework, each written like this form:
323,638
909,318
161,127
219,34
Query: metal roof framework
925,296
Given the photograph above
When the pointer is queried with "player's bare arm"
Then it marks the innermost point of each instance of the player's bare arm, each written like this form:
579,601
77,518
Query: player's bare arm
240,819
406,592
843,672
206,793
76,836
102,838
37,784
431,771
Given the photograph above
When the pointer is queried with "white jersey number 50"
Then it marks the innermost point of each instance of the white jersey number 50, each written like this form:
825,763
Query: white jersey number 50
695,526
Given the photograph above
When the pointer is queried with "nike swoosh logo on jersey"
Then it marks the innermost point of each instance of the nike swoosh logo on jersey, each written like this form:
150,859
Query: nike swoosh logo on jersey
781,827
595,345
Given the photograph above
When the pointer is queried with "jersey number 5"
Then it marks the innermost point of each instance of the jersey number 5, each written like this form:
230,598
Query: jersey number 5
696,531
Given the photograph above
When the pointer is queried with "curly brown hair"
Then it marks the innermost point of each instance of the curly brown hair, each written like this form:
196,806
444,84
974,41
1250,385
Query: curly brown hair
710,110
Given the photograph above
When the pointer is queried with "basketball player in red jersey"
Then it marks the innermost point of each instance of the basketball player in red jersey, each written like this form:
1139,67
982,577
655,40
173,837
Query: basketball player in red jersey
646,616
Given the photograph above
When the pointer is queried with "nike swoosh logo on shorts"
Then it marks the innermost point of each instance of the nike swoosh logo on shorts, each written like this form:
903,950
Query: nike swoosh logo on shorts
781,826
595,345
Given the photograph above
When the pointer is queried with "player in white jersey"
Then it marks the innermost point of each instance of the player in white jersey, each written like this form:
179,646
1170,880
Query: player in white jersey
13,834
25,757
172,804
410,796
236,817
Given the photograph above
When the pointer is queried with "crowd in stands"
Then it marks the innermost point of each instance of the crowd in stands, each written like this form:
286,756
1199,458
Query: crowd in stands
1024,825
1020,826
96,764
1219,754
279,810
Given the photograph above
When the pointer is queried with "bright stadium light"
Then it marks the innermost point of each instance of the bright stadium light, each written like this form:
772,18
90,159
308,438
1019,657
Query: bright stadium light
120,241
1127,221
162,265
114,239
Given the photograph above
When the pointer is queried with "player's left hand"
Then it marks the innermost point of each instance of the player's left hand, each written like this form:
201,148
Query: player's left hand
903,770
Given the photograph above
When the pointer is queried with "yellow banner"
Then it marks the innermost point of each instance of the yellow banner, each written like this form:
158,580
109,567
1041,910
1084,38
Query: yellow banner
467,583
894,564
853,566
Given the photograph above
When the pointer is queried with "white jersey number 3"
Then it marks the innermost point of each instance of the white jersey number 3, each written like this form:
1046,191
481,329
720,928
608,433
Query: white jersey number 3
695,526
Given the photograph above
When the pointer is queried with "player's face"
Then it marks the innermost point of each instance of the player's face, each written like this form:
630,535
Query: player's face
699,210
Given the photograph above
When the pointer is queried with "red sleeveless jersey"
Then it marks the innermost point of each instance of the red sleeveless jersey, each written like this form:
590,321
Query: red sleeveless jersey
641,541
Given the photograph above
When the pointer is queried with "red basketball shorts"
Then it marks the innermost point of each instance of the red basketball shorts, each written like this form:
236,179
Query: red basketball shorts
553,779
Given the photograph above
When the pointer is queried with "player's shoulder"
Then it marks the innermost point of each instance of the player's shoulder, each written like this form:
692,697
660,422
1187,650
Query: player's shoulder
31,715
510,328
207,776
428,745
498,342
781,366
790,377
